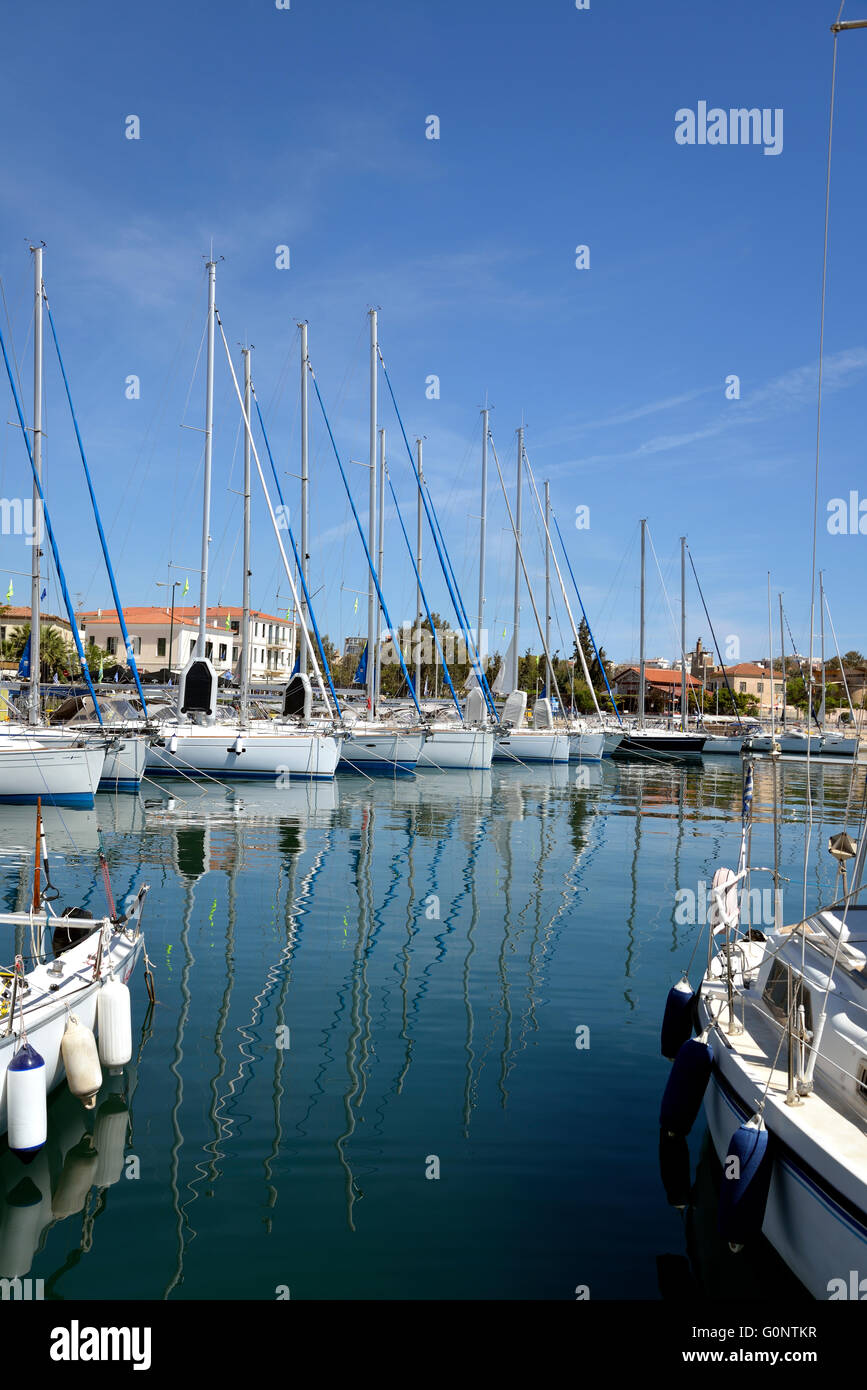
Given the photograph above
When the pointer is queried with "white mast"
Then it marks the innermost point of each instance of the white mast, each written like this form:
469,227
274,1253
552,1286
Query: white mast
783,663
418,642
245,617
547,576
771,659
483,525
822,649
35,710
684,705
305,488
209,430
516,615
550,544
371,522
380,553
641,634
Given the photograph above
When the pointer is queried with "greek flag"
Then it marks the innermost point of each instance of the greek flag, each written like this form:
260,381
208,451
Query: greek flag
748,794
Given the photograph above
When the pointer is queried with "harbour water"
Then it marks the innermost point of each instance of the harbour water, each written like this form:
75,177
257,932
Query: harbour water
406,1038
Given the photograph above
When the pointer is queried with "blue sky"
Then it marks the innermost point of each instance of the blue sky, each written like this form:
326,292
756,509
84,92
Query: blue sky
306,127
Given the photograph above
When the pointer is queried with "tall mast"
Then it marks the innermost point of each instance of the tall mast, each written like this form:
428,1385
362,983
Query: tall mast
684,706
483,525
516,615
547,575
245,617
209,431
783,662
35,710
822,647
771,658
305,489
418,643
380,554
371,520
641,635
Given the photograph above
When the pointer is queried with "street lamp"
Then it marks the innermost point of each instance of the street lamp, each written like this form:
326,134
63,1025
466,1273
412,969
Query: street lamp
165,584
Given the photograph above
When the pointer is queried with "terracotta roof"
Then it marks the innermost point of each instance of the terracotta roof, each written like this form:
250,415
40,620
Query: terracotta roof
142,616
22,615
746,668
653,676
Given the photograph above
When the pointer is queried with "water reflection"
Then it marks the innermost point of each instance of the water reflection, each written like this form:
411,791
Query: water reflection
347,970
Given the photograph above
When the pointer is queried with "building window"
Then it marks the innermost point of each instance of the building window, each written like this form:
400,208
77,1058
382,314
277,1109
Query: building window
223,651
209,650
111,646
161,646
135,645
742,686
759,687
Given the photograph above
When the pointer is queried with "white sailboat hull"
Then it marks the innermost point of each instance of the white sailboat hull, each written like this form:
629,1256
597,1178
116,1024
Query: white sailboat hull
532,746
227,752
467,750
821,745
125,756
587,746
723,744
818,1230
60,776
381,752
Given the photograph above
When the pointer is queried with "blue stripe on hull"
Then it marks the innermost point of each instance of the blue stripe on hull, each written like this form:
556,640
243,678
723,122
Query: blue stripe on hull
379,768
82,799
220,774
123,784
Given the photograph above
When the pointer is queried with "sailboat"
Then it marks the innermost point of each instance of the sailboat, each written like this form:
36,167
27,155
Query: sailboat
648,739
543,743
49,1013
782,1017
781,1057
34,761
463,739
193,740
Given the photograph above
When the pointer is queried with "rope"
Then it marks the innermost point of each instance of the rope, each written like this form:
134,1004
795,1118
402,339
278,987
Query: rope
297,560
424,596
370,563
715,642
59,568
442,553
584,615
103,542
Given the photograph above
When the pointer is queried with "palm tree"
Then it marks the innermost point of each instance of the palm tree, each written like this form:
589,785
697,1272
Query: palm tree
54,648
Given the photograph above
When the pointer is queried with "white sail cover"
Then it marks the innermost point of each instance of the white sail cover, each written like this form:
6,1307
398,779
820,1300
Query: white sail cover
501,686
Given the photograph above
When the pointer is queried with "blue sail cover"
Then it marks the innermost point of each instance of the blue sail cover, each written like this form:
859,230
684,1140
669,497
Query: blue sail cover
360,677
24,663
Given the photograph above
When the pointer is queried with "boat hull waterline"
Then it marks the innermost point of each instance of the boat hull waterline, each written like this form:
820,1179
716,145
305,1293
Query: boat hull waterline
235,755
57,776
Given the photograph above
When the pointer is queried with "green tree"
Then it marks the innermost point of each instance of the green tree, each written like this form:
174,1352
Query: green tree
595,666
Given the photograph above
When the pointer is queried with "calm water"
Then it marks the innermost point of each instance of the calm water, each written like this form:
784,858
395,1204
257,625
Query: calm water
428,949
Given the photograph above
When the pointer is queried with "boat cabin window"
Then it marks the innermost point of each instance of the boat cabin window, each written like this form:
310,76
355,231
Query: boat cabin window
776,994
862,1083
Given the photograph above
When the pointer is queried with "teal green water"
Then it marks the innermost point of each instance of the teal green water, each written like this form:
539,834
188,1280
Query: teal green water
428,948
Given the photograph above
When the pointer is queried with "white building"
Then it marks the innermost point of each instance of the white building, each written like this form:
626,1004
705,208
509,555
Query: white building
159,640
